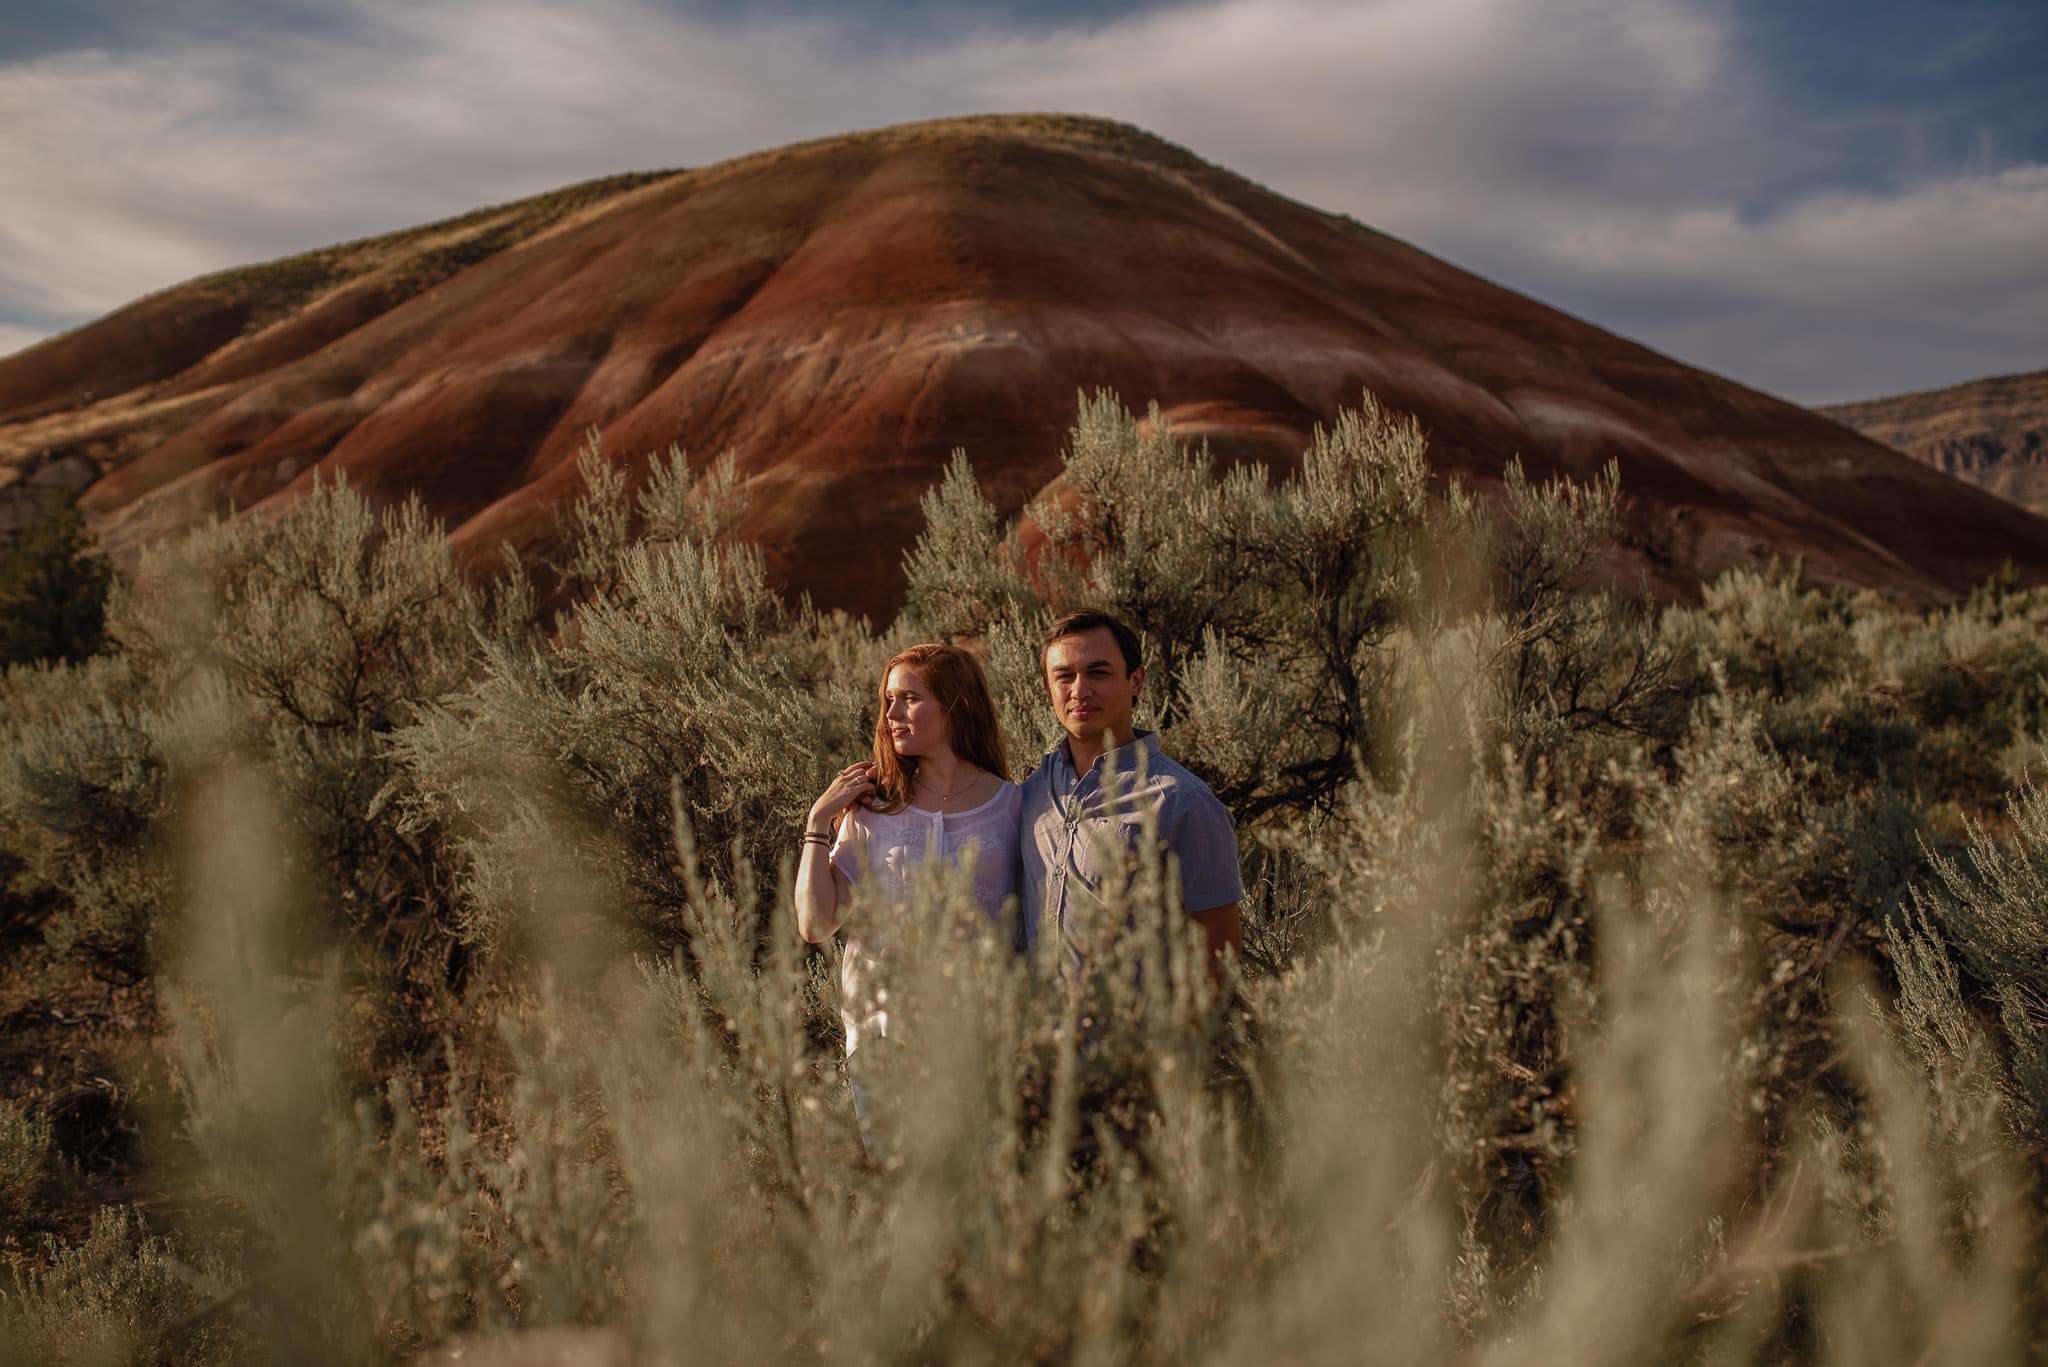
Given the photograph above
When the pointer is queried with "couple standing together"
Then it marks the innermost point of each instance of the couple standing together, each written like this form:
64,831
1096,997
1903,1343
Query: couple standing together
938,787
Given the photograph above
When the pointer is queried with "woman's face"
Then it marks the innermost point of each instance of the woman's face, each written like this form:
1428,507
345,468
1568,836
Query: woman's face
917,725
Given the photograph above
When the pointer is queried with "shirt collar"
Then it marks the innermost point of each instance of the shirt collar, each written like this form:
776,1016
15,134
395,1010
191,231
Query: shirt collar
1122,758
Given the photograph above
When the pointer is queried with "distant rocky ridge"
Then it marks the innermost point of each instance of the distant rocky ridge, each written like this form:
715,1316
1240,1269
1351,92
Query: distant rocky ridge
1991,432
842,314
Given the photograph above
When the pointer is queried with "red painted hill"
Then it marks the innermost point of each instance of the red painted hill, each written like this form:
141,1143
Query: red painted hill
843,313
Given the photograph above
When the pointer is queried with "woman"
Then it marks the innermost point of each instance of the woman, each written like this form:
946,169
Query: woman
936,788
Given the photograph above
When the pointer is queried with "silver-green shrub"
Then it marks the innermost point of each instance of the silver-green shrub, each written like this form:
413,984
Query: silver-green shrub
685,674
24,1162
119,1295
1267,611
300,641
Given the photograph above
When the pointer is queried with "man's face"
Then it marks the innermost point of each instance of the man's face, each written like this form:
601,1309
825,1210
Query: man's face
1088,685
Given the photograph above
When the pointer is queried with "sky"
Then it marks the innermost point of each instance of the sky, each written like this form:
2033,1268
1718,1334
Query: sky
1827,199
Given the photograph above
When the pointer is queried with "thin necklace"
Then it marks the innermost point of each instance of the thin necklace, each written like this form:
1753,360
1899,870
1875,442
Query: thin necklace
952,793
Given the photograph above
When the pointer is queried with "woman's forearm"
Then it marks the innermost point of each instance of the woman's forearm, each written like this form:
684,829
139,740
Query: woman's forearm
820,893
817,893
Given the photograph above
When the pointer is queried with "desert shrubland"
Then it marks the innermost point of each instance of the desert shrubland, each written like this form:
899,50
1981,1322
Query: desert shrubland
1621,983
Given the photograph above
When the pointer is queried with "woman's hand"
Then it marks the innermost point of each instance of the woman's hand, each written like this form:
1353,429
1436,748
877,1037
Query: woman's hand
853,787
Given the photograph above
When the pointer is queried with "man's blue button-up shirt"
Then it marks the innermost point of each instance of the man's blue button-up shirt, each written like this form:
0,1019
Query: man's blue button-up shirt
1079,829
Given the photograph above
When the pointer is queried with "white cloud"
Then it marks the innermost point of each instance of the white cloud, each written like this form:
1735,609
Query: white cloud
1966,231
1605,155
1327,87
130,173
1837,295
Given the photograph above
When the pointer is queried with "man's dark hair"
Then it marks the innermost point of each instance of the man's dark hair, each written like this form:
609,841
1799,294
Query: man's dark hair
1088,619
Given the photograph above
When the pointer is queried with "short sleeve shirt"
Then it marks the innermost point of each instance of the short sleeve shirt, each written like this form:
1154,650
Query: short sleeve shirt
1073,821
880,852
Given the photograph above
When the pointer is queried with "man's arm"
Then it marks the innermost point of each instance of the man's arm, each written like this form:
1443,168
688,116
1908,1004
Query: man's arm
1212,889
1223,928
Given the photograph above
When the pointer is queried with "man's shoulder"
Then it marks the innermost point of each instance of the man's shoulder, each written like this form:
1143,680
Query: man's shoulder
1185,786
1040,781
1171,772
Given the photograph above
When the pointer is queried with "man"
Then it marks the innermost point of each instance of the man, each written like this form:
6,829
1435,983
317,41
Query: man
1084,805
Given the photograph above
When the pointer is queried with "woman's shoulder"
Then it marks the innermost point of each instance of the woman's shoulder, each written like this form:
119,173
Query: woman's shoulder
861,824
867,820
1002,793
1005,802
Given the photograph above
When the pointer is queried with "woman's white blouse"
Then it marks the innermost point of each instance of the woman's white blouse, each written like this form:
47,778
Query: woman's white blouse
880,852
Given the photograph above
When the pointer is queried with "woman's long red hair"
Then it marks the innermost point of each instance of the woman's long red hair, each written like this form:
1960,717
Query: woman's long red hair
961,691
